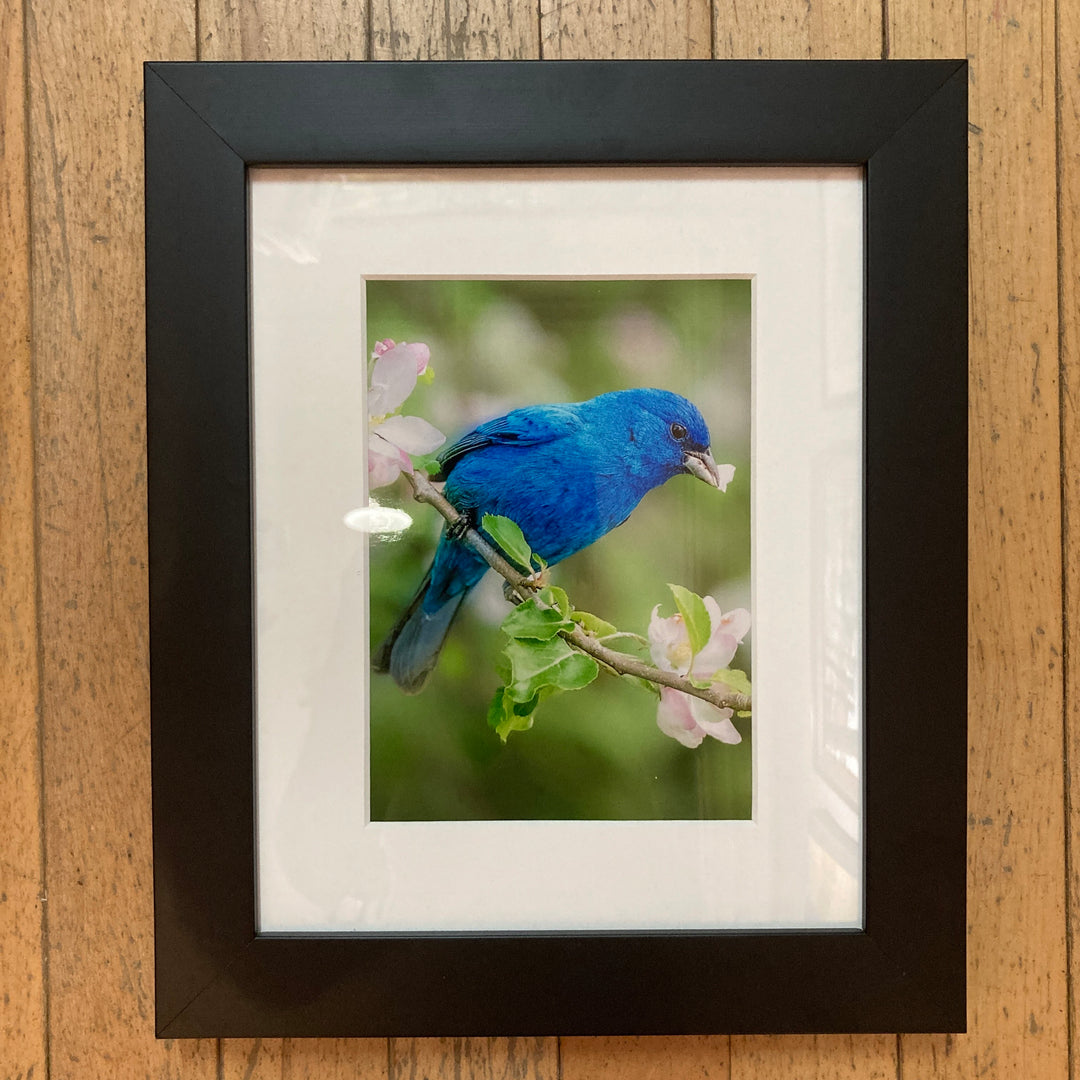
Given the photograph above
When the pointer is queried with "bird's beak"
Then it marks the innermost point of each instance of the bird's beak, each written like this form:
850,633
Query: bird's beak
700,463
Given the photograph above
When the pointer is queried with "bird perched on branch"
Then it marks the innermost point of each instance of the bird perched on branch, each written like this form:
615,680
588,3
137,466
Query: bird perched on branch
566,474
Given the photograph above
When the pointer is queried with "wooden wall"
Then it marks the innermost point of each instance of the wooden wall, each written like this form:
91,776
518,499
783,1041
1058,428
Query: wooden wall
76,945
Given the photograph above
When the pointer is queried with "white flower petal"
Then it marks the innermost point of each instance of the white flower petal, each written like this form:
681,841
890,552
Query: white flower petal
724,475
736,623
726,632
674,718
420,354
714,722
392,380
724,731
669,642
717,654
411,434
383,468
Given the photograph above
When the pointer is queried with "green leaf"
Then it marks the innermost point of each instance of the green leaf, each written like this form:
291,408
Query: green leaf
497,709
529,620
506,715
593,624
427,376
509,537
695,616
539,664
555,597
429,463
735,680
503,669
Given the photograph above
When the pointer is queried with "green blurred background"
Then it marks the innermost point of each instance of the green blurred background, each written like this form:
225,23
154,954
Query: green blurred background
596,753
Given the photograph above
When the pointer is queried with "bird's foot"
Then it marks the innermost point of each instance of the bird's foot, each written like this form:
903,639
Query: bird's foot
459,528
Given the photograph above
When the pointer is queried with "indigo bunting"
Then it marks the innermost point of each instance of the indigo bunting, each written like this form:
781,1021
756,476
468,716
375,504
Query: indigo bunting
566,474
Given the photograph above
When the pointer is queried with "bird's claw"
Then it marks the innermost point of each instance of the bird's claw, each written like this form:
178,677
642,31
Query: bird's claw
459,528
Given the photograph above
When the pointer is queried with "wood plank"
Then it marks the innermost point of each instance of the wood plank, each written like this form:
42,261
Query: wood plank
22,989
1068,208
278,30
926,29
639,30
85,86
303,1059
797,29
474,1059
454,30
814,1057
1016,851
646,1058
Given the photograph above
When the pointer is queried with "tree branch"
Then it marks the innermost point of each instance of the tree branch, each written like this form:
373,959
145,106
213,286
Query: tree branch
426,492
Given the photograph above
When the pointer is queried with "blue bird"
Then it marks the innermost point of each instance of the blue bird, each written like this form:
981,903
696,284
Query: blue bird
567,474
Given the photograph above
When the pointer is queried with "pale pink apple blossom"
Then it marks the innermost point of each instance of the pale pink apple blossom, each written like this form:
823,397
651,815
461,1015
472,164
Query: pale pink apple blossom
392,437
680,715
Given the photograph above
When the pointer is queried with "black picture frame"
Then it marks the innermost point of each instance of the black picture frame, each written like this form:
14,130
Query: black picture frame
905,122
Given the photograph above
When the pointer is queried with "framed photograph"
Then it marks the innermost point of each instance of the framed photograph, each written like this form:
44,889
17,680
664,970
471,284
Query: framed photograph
557,507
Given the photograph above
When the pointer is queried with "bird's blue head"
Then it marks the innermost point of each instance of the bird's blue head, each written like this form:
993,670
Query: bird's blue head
665,434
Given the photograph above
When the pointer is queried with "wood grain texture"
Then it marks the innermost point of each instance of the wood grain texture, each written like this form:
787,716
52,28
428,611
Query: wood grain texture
303,1059
85,82
797,29
925,29
454,30
636,30
1016,849
474,1059
278,30
814,1057
647,1058
22,990
1068,118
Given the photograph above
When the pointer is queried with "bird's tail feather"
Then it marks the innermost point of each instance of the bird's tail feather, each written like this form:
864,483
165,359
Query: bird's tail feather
412,647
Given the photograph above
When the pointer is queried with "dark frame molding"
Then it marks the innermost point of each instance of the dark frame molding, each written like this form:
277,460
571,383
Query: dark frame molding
906,123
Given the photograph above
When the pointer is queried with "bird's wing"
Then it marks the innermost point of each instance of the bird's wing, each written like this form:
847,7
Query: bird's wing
522,427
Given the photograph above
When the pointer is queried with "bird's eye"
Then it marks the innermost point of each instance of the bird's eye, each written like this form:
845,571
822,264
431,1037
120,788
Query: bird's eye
678,432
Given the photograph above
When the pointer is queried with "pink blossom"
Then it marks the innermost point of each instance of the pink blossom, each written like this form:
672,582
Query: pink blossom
392,437
689,719
669,641
680,715
419,351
